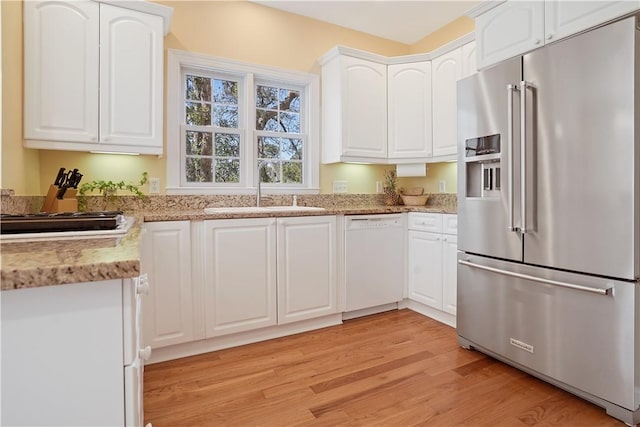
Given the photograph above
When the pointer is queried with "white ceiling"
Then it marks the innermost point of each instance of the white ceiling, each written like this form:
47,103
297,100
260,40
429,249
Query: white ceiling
400,20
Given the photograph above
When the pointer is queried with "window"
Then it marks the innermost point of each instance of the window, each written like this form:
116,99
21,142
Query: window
224,118
279,140
211,133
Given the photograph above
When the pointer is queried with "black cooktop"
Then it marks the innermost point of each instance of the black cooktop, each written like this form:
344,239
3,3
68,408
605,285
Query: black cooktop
58,222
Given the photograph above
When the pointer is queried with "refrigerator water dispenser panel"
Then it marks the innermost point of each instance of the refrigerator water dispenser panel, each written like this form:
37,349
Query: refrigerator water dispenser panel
482,161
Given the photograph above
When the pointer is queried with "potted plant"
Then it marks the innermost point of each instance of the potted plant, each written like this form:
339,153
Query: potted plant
109,190
390,188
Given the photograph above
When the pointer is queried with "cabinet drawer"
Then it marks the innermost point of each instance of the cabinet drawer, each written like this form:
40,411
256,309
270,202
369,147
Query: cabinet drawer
450,224
425,222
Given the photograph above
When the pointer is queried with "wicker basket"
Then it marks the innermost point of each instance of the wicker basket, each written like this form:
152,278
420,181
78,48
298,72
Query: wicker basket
414,200
413,191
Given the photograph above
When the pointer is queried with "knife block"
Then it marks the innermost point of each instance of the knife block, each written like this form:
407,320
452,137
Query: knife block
52,204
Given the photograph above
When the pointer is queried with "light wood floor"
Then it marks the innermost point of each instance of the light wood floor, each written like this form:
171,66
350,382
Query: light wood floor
393,369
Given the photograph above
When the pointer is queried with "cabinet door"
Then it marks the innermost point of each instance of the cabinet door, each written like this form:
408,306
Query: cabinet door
61,71
165,255
409,115
364,103
131,77
307,278
240,275
449,273
469,66
447,70
564,18
425,268
508,30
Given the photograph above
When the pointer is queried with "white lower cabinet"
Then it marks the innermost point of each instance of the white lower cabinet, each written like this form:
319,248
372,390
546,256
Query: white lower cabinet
307,274
432,247
170,314
217,278
240,275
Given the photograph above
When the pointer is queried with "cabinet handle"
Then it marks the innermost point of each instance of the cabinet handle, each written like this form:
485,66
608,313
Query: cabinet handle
143,285
93,138
537,41
549,36
145,353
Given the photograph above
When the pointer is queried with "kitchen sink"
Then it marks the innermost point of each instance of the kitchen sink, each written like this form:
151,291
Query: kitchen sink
261,209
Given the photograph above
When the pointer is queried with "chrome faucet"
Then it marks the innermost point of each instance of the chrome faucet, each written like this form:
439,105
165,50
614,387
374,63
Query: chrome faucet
261,166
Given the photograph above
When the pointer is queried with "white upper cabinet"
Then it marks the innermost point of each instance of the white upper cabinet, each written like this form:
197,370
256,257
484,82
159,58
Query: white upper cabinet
97,85
447,70
354,108
469,65
508,30
564,18
515,27
61,71
409,115
131,69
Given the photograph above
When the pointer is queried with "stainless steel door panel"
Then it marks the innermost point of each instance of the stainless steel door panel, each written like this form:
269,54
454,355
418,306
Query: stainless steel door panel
582,192
580,337
482,110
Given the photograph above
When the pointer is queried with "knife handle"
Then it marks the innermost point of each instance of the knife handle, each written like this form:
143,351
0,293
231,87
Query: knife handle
59,177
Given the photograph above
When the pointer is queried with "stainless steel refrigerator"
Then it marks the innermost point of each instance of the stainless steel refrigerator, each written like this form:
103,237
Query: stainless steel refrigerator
549,215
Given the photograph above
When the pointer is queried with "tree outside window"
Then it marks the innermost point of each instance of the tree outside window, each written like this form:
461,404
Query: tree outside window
279,137
211,133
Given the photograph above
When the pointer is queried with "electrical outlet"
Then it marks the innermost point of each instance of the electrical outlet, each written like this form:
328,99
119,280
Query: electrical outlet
378,187
154,185
339,186
442,186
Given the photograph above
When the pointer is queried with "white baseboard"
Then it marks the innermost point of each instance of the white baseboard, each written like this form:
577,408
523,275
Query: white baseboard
218,343
425,310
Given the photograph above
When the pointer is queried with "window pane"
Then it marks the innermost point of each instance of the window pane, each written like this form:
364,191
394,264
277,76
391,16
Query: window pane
289,100
292,172
268,148
291,149
225,91
199,143
267,120
198,114
225,116
199,170
290,122
266,97
227,145
198,88
227,170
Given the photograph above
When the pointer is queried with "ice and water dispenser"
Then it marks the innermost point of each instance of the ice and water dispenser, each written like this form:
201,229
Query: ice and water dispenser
482,161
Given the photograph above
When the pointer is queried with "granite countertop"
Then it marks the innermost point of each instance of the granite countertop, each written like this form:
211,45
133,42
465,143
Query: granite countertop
56,262
195,215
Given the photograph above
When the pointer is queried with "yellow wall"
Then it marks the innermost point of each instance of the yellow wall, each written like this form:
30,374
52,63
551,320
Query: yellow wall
232,29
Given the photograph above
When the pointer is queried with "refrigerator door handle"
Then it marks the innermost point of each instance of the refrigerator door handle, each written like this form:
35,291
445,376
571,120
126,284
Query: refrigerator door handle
510,90
523,156
607,291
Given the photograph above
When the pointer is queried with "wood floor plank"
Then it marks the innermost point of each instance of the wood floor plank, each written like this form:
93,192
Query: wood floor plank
392,369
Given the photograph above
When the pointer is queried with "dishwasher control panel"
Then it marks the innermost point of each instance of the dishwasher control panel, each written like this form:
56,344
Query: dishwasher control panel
360,222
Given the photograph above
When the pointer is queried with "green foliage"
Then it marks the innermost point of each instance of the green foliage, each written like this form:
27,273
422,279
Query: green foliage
109,189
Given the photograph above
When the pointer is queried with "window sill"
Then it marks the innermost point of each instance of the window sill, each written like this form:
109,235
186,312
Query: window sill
172,191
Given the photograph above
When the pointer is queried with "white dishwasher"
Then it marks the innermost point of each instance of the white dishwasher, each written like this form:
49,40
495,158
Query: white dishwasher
374,260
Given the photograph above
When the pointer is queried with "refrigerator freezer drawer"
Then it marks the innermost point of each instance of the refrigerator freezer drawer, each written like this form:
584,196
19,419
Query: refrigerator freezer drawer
579,330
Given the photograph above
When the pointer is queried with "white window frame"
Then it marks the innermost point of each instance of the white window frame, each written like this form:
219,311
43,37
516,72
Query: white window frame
178,61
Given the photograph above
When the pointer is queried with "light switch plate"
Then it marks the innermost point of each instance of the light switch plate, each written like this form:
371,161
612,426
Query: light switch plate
339,186
442,186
